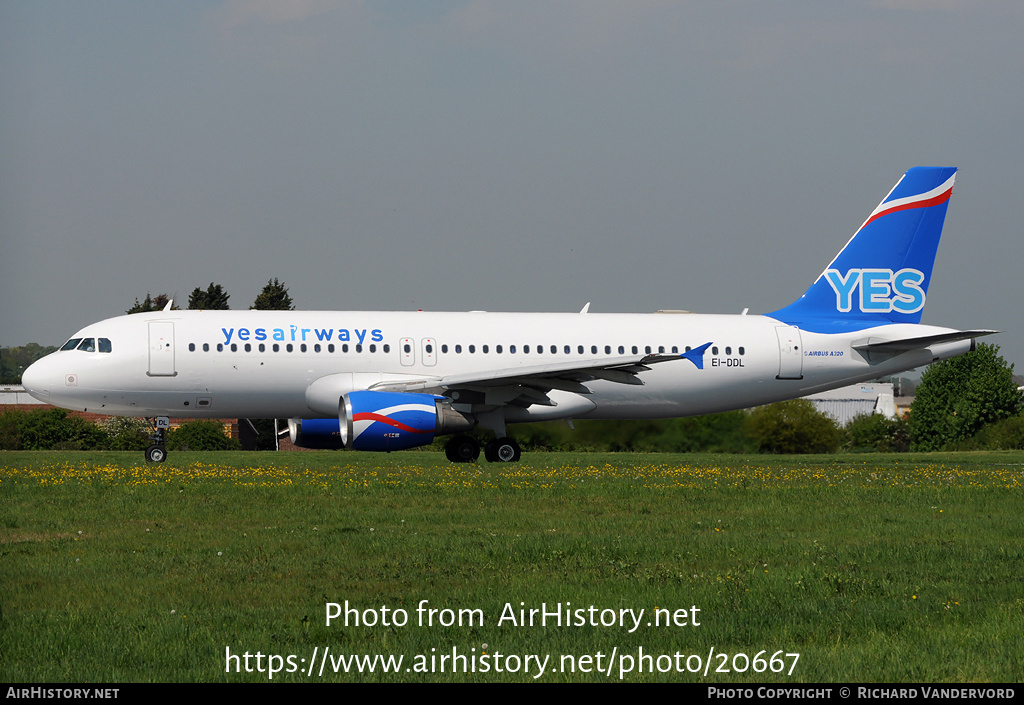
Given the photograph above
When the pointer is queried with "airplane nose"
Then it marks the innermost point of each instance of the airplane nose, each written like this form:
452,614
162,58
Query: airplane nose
36,380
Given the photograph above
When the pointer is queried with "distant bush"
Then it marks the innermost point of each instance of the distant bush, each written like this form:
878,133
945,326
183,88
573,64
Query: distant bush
793,426
1007,434
48,429
875,432
200,434
126,433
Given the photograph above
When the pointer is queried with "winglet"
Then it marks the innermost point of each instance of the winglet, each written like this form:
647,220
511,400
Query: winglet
696,356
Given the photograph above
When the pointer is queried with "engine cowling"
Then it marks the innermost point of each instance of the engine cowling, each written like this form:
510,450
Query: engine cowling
386,421
381,421
322,434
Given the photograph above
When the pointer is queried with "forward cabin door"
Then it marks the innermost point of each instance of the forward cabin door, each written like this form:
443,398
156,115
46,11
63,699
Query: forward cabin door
161,349
791,353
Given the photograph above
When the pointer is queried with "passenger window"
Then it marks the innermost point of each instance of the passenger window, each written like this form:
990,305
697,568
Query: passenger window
330,347
373,347
472,348
607,349
512,349
289,347
277,348
234,347
728,351
497,349
248,347
71,344
714,350
263,347
302,347
316,348
206,347
387,348
458,348
622,350
741,350
526,349
191,347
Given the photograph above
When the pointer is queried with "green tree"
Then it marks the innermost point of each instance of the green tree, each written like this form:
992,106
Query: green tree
151,303
14,361
213,299
48,429
868,432
274,297
959,396
793,426
200,434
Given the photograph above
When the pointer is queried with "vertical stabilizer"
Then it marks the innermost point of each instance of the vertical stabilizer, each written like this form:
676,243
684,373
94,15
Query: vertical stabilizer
882,274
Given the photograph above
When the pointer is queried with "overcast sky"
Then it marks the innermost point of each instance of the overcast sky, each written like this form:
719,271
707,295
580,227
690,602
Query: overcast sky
476,154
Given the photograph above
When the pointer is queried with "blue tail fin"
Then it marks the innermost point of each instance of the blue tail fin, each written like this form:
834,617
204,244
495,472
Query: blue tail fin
882,274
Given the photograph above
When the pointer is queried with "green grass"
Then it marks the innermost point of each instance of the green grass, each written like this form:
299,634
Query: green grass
872,567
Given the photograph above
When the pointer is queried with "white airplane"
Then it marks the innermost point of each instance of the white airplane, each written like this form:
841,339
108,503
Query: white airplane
383,381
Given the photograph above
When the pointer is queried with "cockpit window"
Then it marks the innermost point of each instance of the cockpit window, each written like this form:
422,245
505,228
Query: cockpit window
71,344
88,345
104,345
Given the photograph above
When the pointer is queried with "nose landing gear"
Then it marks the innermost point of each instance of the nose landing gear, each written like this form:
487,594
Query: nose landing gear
157,450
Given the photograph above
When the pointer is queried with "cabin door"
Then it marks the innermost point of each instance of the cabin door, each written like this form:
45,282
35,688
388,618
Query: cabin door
161,349
791,353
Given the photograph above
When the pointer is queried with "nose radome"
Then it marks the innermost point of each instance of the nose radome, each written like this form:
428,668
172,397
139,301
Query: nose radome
37,380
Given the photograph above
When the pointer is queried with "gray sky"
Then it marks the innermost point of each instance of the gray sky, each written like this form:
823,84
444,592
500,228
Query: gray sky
476,154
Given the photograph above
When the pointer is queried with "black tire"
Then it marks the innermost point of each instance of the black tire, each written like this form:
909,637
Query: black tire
462,449
505,450
156,453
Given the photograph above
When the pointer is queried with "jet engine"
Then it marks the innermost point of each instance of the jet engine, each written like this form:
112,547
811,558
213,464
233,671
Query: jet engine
381,421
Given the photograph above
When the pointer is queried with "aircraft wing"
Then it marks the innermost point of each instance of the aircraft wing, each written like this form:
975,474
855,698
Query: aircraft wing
898,345
525,386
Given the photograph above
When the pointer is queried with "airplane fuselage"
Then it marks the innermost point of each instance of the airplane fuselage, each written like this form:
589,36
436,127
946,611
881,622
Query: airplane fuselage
261,364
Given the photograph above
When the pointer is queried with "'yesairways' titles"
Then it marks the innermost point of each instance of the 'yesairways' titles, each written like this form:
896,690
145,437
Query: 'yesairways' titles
303,335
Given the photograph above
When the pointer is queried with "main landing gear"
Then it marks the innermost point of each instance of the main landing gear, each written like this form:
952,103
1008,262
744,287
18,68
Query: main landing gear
157,450
466,449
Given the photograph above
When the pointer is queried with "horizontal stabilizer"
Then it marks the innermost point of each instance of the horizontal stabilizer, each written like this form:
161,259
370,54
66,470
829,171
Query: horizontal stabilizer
904,344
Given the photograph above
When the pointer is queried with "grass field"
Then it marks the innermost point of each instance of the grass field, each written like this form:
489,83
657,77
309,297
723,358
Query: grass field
869,567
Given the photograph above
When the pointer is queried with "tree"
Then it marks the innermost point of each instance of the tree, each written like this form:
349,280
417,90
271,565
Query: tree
274,297
151,303
793,426
213,299
200,434
14,361
959,396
